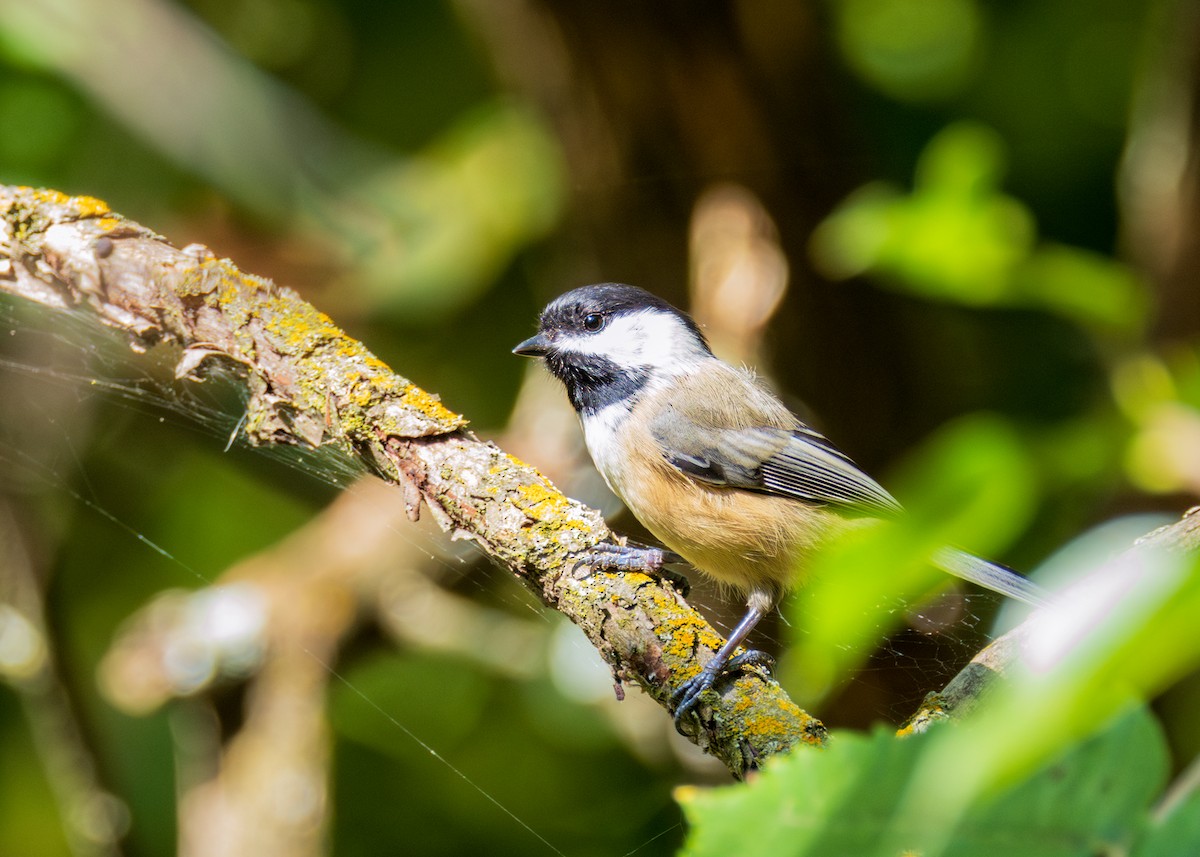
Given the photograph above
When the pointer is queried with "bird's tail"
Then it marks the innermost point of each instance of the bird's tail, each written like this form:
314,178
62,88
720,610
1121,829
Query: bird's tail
990,575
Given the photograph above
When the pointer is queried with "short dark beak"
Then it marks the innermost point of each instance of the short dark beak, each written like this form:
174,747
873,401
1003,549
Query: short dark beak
535,346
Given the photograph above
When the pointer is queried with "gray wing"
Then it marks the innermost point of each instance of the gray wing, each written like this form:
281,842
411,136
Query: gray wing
790,462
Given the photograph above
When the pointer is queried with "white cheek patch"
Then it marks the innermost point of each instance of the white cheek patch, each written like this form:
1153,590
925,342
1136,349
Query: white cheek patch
645,338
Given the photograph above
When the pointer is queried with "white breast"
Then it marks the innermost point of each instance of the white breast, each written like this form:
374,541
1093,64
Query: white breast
601,434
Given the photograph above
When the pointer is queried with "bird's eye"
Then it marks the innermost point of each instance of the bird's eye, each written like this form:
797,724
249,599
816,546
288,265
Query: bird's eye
593,321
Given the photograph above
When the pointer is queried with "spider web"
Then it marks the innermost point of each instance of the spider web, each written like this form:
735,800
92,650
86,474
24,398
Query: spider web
76,398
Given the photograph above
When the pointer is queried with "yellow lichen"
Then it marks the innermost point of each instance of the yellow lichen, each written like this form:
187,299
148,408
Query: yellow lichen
44,196
931,710
770,724
429,405
524,465
552,511
766,727
298,328
515,461
743,703
662,600
539,501
210,275
89,206
678,648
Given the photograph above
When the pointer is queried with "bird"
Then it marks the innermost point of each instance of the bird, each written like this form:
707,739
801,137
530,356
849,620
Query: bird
713,464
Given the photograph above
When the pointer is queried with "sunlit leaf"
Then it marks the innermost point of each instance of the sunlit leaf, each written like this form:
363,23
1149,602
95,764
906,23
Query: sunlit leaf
1088,288
957,237
856,798
1110,640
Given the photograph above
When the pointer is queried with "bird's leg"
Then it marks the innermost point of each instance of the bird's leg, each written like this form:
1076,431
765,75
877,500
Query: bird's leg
632,557
685,699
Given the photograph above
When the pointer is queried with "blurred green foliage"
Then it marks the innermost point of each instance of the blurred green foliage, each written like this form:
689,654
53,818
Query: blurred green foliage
972,313
1065,756
959,238
910,49
973,485
866,796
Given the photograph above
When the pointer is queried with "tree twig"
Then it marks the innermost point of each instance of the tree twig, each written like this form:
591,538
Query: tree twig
964,692
311,384
93,818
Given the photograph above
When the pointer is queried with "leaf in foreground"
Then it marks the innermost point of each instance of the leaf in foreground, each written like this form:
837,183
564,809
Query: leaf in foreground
847,800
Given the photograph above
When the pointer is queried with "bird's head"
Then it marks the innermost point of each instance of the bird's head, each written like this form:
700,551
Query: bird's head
607,342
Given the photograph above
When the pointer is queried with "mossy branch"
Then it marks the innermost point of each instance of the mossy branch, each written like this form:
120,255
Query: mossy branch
311,384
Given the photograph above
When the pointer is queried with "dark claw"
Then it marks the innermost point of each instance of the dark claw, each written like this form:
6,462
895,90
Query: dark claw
685,700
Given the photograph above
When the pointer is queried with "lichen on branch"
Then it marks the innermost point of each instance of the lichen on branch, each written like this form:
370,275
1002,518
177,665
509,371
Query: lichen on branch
309,383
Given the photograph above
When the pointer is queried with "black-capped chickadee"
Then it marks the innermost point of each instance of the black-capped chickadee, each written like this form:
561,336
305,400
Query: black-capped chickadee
711,463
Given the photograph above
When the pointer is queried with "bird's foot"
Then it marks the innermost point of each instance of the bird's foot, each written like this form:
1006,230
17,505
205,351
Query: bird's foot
650,560
685,700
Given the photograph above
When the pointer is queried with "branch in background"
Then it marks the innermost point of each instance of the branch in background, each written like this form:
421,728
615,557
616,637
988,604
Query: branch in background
283,614
93,819
739,274
310,384
964,692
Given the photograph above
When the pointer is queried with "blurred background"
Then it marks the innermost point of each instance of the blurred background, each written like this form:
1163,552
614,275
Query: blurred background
954,234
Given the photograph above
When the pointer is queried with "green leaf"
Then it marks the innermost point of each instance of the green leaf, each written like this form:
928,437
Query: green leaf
455,215
1087,288
1175,835
858,798
1117,636
1098,794
958,238
918,50
838,800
